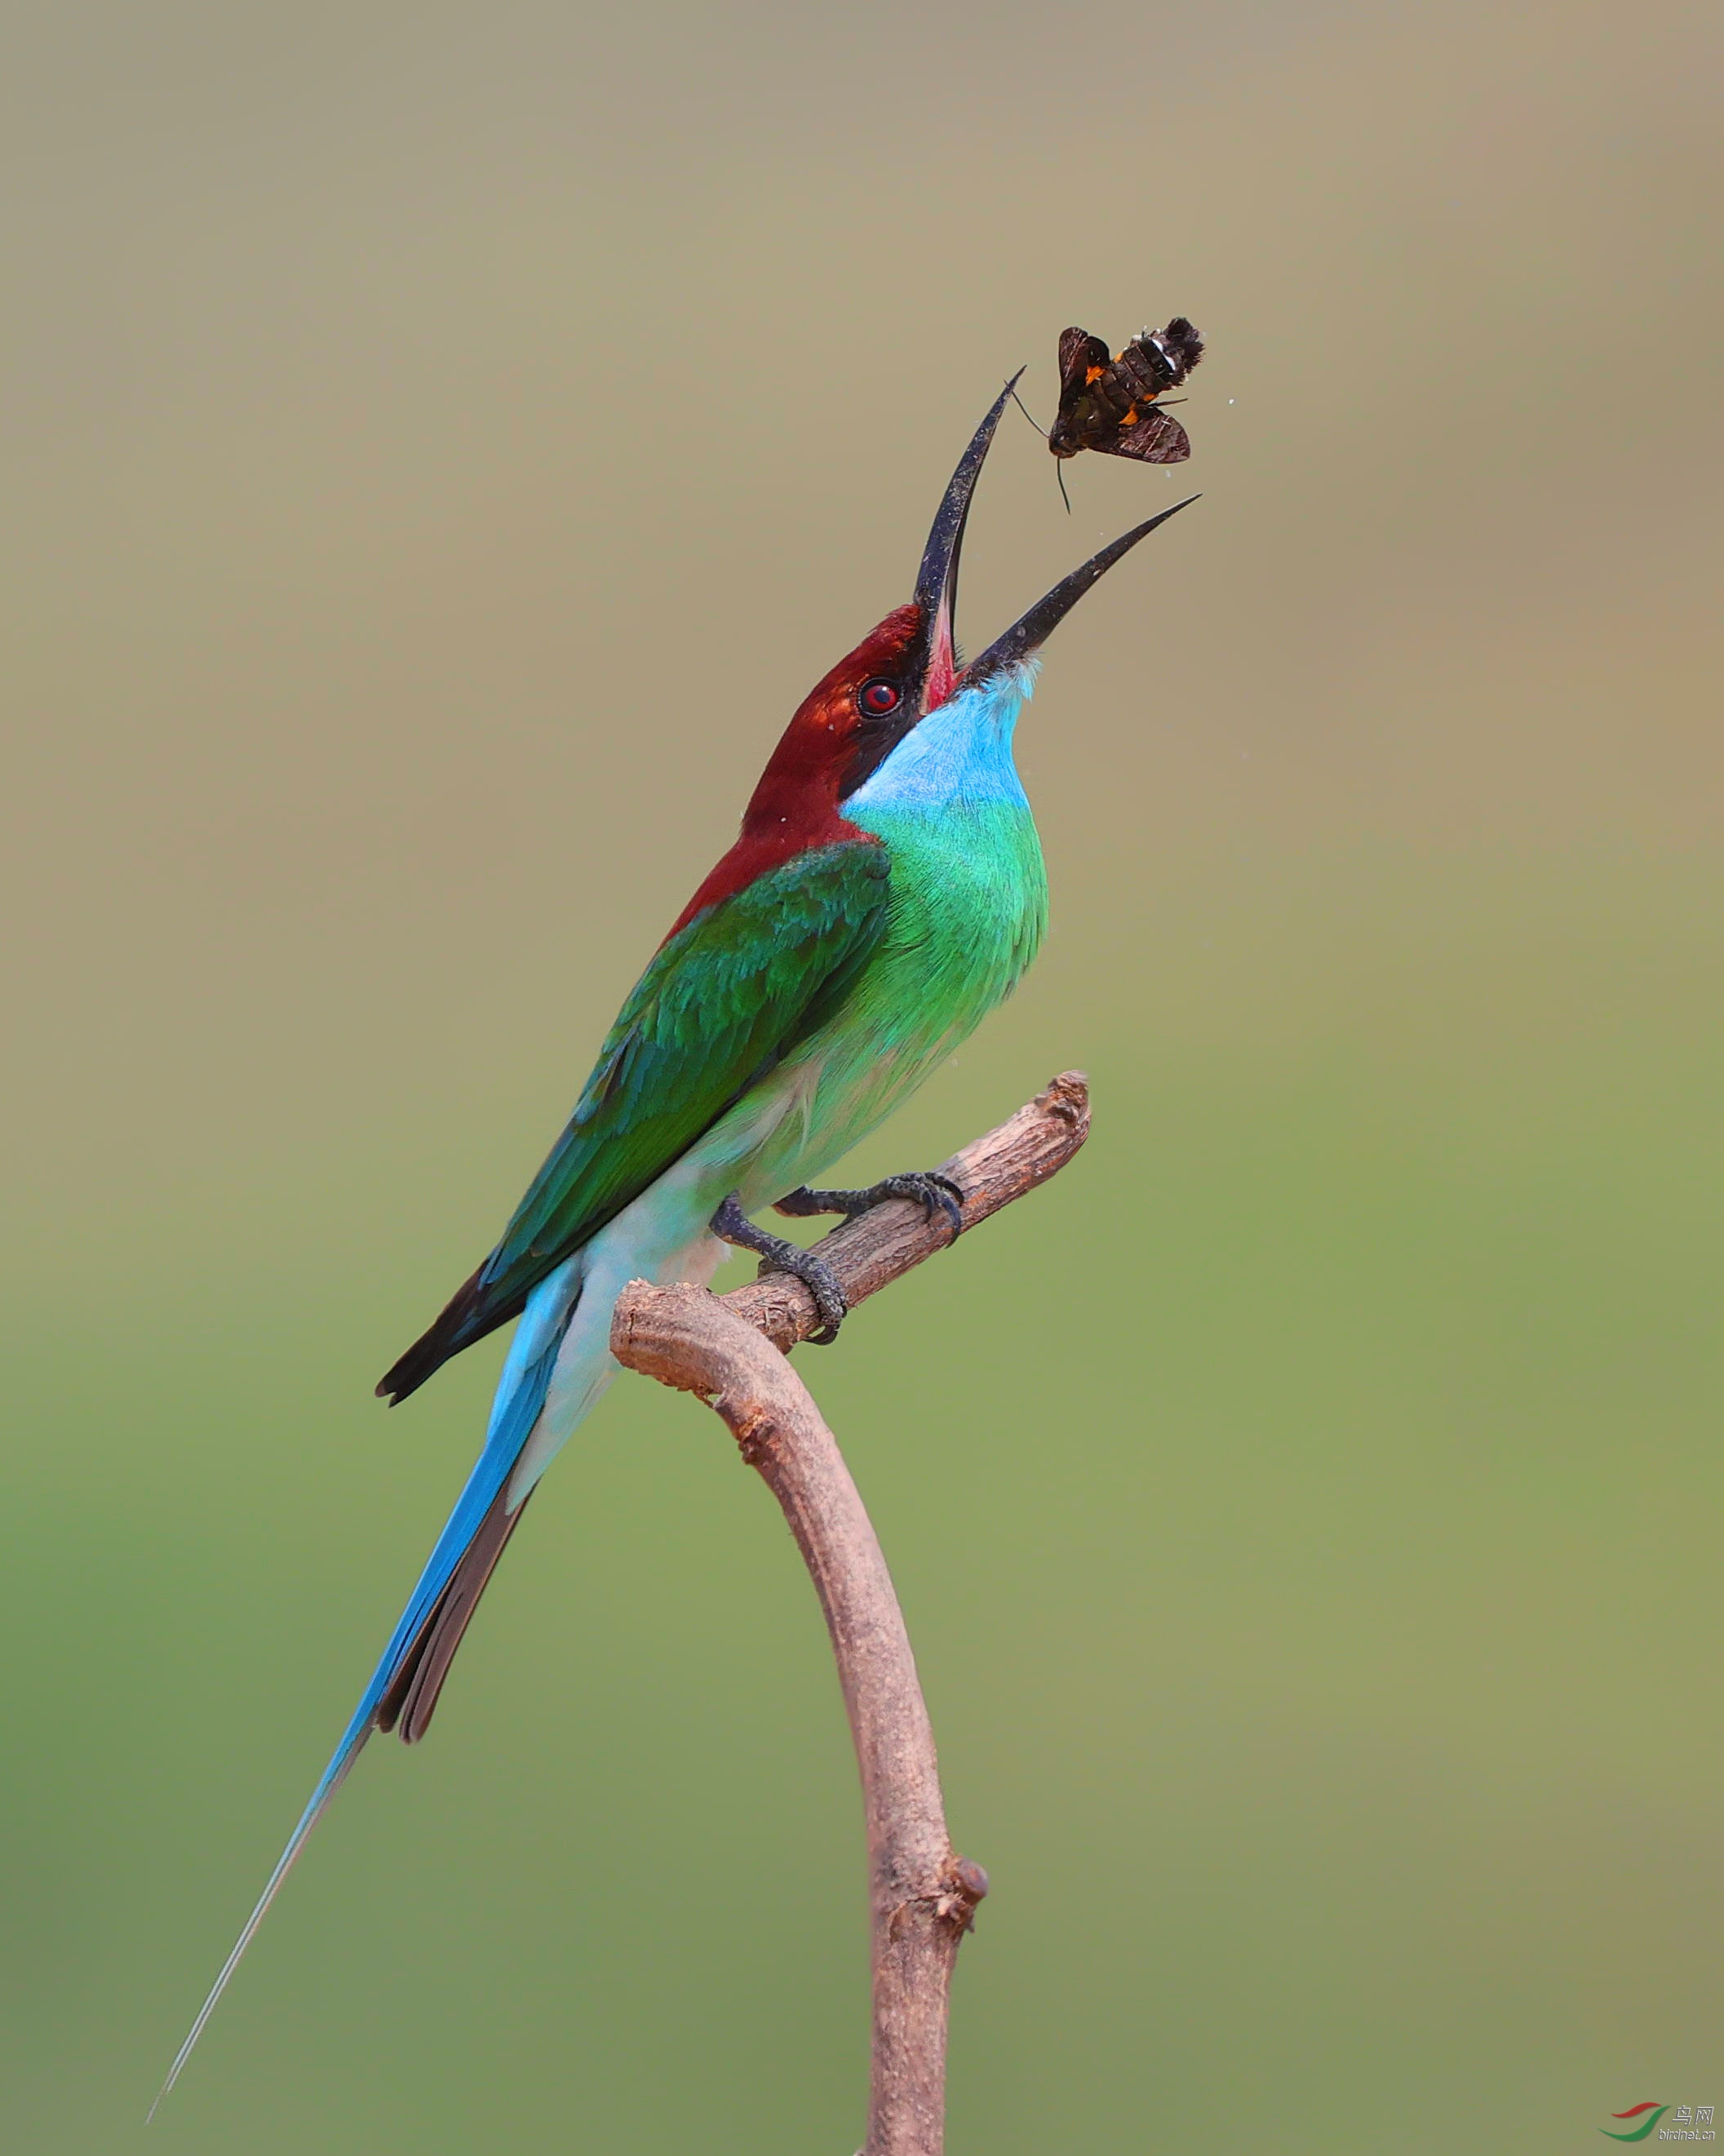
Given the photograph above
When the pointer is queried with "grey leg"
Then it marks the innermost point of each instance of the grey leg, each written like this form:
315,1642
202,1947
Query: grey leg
731,1224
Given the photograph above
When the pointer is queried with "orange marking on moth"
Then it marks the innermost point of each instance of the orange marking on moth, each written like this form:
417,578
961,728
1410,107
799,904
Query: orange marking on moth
1130,417
1092,375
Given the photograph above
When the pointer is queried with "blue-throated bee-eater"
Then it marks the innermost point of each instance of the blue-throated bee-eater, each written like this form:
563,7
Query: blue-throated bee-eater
885,893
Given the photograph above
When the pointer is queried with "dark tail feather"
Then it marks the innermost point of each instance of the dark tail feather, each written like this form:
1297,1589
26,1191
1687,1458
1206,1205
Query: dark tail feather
411,1700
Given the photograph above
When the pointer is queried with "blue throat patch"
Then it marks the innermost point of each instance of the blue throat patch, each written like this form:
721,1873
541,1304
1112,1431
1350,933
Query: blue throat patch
961,752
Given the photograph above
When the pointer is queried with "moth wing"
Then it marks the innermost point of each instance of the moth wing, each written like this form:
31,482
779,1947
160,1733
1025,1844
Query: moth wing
1078,352
1157,439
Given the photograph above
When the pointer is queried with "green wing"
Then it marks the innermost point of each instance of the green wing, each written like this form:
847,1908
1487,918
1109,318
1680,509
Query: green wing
727,997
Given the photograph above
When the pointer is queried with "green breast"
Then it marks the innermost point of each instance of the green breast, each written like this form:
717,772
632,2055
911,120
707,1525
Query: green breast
968,909
968,906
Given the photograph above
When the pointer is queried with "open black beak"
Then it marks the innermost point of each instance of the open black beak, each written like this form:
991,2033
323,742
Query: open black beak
1030,631
935,664
936,585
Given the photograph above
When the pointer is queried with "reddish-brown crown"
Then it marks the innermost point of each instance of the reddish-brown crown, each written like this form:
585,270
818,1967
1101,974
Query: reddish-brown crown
795,805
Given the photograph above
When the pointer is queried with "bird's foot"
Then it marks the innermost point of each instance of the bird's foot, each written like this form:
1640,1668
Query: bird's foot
731,1224
937,1195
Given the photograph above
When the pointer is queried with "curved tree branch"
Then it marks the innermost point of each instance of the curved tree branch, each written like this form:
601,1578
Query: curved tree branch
727,1348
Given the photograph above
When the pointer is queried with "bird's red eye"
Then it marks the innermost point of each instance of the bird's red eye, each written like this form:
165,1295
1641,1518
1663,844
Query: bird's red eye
878,698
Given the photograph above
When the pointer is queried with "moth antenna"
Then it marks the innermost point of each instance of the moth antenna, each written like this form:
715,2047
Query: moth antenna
1029,414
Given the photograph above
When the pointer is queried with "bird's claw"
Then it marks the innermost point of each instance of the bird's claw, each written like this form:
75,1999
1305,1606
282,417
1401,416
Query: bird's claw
936,1193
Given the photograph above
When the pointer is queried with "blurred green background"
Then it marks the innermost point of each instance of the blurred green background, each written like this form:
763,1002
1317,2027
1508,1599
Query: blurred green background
442,444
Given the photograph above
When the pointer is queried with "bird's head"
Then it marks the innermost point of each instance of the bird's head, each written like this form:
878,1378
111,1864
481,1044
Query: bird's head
902,670
908,666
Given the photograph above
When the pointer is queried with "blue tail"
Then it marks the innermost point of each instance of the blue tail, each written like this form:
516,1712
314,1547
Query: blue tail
405,1682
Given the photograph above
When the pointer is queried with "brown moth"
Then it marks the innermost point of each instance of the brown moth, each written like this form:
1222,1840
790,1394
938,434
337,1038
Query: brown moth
1109,405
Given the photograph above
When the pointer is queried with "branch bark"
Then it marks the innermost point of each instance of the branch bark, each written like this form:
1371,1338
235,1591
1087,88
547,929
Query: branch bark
730,1351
